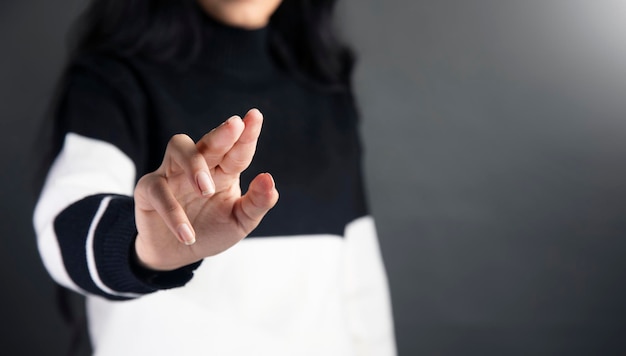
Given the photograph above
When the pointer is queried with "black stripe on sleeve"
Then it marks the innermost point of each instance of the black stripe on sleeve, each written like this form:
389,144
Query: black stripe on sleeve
71,227
114,253
113,250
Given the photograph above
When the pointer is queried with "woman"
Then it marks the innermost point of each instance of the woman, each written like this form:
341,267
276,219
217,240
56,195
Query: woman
143,220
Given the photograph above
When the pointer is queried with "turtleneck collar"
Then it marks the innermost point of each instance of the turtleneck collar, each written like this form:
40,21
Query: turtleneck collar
235,50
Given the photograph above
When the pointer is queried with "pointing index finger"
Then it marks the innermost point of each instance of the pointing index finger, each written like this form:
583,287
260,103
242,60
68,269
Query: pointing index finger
216,143
242,152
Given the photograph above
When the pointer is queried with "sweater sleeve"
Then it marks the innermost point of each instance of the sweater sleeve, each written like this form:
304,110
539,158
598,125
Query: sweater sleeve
369,306
84,217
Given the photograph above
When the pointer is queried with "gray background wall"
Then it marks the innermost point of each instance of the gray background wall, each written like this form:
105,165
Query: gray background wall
495,134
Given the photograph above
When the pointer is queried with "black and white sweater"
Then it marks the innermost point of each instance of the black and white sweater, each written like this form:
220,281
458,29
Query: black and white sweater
308,281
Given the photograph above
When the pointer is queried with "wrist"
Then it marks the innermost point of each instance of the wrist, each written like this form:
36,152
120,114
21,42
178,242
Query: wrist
160,277
144,257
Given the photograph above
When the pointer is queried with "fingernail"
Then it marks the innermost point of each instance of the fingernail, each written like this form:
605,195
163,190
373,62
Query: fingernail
272,179
231,118
185,233
205,183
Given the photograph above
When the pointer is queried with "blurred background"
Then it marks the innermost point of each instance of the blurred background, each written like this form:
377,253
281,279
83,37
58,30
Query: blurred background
495,137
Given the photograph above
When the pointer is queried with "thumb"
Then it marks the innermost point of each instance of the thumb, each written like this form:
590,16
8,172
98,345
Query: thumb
258,200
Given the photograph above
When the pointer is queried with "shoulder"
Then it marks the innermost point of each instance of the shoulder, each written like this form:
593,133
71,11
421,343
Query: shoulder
101,98
111,74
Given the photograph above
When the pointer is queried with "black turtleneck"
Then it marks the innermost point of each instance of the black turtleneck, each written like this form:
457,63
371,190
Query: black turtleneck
308,142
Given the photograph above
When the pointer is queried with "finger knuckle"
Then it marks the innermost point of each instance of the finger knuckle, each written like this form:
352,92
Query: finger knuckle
177,141
170,207
154,187
197,161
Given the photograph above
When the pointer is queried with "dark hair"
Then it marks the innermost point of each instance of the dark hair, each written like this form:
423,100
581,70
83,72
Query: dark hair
302,38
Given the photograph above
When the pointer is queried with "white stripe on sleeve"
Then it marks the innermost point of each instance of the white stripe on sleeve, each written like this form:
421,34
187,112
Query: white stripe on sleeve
84,167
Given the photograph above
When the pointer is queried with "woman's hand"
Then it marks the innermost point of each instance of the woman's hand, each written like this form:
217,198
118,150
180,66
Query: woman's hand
191,207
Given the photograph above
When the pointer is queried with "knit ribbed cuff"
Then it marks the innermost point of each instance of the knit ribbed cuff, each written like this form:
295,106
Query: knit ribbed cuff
115,254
